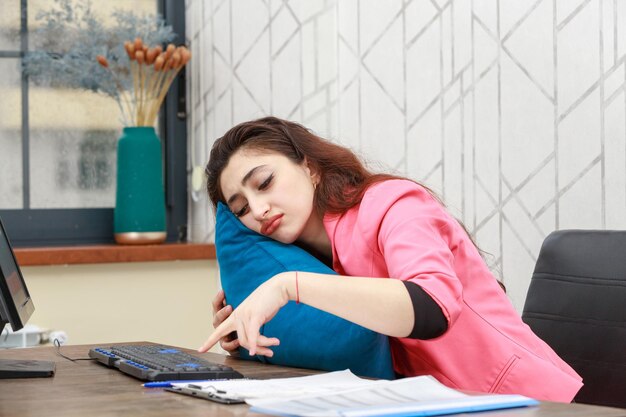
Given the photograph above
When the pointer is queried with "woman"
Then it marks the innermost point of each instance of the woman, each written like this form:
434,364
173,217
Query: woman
407,268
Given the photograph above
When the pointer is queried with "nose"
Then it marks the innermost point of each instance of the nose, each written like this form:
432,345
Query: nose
259,209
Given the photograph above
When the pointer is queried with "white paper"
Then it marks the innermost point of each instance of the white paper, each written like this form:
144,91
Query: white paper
421,395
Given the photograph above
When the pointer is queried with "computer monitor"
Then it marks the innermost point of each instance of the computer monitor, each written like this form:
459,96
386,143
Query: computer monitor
16,307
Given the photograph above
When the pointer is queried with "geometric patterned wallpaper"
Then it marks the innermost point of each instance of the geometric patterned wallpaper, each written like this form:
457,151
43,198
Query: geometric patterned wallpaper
513,111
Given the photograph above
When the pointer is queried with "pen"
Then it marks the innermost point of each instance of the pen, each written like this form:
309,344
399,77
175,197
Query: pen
167,384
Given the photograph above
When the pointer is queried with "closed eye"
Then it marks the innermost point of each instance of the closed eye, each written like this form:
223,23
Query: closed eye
241,212
266,183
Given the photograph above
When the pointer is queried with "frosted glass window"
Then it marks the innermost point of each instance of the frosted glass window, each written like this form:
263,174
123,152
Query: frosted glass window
73,136
72,168
57,142
10,135
9,25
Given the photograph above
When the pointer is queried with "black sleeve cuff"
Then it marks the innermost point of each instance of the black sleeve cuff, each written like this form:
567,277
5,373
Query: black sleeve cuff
429,319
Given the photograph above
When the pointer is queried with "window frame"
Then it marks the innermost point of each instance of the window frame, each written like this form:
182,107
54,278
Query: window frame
30,227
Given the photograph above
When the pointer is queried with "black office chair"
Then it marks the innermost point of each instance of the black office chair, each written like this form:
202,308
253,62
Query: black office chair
576,303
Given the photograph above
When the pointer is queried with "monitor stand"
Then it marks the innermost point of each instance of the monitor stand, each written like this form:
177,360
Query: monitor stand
10,368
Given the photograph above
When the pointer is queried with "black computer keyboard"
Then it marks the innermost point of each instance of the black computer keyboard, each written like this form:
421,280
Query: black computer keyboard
160,363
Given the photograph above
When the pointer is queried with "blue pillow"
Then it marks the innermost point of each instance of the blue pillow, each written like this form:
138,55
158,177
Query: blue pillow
309,338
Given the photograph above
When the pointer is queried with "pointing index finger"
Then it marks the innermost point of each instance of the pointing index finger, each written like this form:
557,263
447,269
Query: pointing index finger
222,330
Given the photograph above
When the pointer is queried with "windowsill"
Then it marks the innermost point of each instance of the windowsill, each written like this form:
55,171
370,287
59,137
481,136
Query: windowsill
71,255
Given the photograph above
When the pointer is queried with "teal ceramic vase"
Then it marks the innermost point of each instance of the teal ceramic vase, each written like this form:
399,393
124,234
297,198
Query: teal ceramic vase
139,215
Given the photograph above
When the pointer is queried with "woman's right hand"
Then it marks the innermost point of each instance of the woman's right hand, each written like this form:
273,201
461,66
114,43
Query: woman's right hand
221,311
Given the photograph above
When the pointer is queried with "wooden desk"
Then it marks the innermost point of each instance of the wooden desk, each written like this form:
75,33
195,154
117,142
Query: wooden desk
86,388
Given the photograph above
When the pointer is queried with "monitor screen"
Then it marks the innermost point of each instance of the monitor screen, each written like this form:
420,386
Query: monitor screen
16,306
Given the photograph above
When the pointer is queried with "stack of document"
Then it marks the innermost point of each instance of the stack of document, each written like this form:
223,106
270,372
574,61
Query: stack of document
342,393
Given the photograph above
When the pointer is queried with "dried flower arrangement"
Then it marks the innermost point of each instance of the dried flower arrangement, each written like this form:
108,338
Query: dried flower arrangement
153,71
70,38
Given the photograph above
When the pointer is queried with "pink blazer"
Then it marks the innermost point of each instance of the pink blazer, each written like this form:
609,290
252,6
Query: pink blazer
400,231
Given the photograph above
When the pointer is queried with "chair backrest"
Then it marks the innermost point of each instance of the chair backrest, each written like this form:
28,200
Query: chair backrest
576,303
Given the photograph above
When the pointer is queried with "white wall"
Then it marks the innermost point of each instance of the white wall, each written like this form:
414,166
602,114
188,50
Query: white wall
163,302
513,111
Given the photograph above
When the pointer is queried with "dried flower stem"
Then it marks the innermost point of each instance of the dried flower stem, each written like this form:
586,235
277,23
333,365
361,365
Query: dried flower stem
120,97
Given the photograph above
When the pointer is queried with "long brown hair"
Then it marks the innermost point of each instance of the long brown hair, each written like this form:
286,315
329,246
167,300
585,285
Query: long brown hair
343,177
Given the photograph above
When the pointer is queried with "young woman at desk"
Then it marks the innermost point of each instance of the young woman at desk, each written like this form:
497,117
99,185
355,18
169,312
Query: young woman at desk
407,268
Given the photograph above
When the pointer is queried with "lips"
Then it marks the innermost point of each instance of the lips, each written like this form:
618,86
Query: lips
270,225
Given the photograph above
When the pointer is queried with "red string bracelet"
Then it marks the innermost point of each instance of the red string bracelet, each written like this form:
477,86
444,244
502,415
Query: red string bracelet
297,290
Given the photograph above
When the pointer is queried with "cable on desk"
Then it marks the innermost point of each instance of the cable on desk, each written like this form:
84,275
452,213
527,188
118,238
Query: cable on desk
58,345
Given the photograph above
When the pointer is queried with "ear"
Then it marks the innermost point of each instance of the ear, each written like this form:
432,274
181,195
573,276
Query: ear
311,170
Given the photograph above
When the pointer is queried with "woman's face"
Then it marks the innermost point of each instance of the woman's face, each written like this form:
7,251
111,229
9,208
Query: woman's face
271,195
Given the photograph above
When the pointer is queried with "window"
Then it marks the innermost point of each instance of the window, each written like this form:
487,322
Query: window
57,146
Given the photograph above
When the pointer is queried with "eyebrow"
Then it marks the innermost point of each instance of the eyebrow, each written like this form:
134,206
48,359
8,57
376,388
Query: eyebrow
244,180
